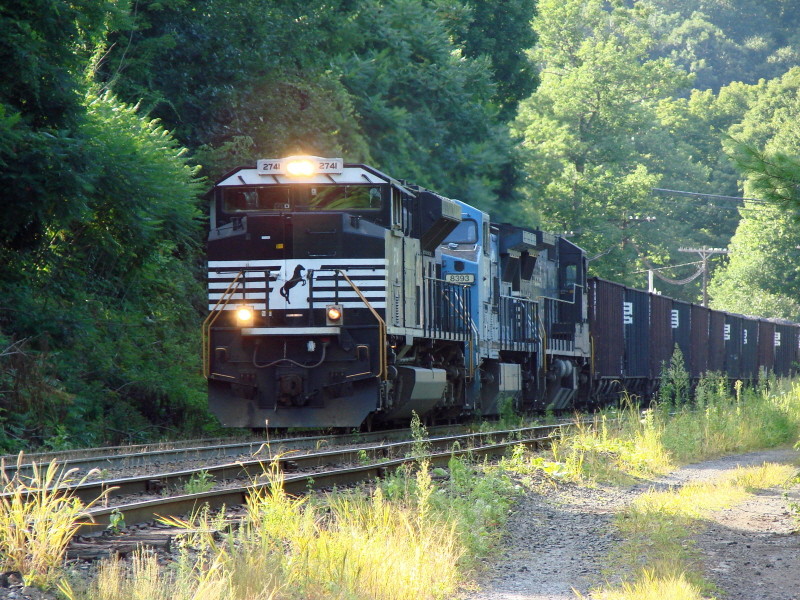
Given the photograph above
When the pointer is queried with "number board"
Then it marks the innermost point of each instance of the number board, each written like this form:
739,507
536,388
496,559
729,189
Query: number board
279,166
466,278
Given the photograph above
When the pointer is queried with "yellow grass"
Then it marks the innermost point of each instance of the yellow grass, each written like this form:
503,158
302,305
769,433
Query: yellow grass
38,518
355,546
657,553
638,443
651,587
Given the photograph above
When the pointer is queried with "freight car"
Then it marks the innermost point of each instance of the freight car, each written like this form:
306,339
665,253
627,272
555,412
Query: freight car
635,332
341,297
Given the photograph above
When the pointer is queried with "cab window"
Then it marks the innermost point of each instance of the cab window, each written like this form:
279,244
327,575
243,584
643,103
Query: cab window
247,199
284,197
465,232
344,197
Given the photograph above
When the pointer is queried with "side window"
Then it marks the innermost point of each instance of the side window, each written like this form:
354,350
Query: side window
570,276
486,239
397,210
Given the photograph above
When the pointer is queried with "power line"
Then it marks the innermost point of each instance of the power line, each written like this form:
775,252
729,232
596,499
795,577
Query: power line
696,262
712,196
705,253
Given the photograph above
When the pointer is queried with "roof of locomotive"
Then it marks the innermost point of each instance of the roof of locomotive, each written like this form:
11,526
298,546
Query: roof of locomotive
351,173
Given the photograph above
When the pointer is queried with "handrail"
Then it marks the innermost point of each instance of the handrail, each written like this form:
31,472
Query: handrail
575,287
505,300
460,310
473,336
381,325
544,341
464,314
211,319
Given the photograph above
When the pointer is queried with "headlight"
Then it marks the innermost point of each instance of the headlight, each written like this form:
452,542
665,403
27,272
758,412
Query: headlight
302,167
244,315
333,314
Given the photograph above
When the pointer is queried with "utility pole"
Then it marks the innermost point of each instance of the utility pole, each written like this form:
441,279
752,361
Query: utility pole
705,254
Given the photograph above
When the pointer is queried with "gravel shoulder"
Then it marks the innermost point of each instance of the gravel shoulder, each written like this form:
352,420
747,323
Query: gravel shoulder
558,541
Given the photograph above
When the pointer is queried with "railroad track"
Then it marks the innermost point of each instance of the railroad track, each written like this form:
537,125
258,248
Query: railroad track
301,473
363,464
145,455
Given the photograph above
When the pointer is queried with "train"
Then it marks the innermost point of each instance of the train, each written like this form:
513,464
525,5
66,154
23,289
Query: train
340,297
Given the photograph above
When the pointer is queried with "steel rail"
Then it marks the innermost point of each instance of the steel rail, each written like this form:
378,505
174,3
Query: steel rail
137,456
289,462
147,510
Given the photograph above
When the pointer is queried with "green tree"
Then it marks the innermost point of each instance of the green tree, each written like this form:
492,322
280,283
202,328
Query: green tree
43,177
762,274
721,41
425,107
189,64
592,132
110,305
503,32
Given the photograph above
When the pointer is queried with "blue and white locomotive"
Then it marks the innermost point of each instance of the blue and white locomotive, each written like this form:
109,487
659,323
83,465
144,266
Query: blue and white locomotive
339,296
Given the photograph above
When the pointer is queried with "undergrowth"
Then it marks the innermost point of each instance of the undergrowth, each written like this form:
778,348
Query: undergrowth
38,518
621,445
406,537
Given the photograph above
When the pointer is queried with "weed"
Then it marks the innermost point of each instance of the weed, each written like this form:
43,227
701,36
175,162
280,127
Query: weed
38,518
524,462
675,384
509,416
421,445
793,505
199,482
116,521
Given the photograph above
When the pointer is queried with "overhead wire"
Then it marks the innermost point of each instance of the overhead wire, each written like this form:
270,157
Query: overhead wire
704,195
696,196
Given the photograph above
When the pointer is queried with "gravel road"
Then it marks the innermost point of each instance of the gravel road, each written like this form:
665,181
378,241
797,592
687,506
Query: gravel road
558,542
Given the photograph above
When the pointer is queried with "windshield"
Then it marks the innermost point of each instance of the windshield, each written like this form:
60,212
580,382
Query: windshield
288,197
465,232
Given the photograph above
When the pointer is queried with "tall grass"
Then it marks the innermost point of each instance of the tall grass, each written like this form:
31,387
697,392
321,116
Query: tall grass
38,518
405,538
633,443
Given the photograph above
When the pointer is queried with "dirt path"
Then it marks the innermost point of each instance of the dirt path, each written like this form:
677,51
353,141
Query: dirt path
751,551
558,542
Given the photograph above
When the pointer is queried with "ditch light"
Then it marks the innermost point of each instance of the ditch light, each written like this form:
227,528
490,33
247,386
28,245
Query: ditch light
244,315
333,314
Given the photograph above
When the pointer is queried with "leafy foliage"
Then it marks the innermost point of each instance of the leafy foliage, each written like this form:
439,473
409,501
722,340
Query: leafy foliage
591,127
104,302
418,96
502,33
720,41
762,274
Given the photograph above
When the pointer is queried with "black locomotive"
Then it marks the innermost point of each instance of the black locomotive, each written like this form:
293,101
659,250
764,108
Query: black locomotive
339,297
